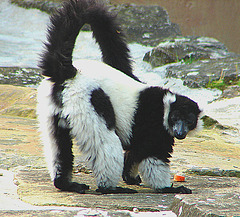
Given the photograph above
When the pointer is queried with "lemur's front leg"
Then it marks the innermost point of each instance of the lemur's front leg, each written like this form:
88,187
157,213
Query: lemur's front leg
130,172
156,173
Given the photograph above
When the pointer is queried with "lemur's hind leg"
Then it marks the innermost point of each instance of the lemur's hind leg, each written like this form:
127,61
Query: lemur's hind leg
94,129
105,158
61,157
130,172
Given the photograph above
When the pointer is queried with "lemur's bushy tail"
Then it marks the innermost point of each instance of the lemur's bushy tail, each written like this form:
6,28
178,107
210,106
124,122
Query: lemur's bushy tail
66,23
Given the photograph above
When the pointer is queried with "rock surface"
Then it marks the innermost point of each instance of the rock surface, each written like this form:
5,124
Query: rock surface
17,101
188,48
218,197
44,5
226,111
203,72
21,152
20,76
199,61
147,25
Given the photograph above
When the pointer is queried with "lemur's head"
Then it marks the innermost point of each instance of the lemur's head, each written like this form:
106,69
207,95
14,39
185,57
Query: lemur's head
181,115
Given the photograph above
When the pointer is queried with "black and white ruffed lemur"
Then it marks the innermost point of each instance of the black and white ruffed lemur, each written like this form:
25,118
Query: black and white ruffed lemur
105,107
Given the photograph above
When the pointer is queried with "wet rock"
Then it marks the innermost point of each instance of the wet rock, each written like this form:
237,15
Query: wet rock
209,122
225,111
214,172
199,61
48,6
20,76
230,92
187,49
147,25
203,72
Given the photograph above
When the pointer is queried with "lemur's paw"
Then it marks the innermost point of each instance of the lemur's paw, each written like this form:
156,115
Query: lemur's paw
116,190
132,181
65,185
79,188
178,190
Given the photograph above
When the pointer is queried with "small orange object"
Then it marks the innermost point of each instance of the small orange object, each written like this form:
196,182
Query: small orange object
178,178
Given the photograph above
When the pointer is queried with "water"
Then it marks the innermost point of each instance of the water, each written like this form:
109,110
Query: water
22,32
21,35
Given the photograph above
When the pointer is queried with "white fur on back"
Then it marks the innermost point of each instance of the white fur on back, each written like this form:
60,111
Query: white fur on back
122,90
168,99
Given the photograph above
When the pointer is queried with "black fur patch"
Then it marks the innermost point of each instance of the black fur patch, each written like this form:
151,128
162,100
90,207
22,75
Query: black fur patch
57,94
64,144
112,41
64,159
129,163
56,60
103,106
149,137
